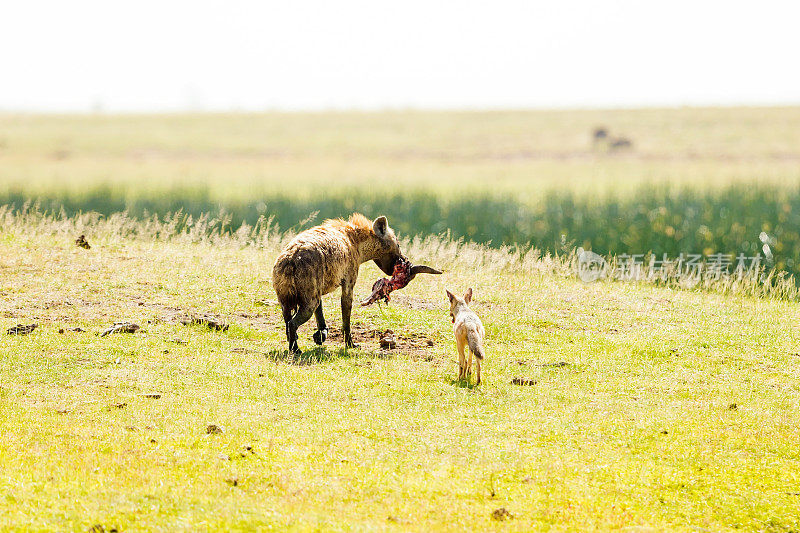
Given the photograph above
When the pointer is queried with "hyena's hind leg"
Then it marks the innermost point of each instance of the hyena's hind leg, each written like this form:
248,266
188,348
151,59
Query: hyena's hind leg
304,312
288,312
322,328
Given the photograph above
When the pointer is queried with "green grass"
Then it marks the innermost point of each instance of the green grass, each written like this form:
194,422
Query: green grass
639,430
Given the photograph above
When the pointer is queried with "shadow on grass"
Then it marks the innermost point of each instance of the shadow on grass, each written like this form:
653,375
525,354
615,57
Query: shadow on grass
464,383
320,355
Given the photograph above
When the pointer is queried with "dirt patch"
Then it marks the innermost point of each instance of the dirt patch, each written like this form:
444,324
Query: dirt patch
417,344
263,320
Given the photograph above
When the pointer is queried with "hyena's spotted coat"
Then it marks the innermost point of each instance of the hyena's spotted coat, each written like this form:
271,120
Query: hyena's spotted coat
323,258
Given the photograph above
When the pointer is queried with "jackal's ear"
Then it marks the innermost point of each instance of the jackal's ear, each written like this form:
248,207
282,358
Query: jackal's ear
380,226
468,295
450,295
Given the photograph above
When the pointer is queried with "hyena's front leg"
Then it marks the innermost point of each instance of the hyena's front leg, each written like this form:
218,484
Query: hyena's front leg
322,328
347,307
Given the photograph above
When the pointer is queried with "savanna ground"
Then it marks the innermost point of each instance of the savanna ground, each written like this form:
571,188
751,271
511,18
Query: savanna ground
650,408
694,180
645,408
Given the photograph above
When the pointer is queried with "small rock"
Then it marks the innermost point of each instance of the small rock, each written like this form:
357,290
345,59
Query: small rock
224,457
121,327
152,395
501,514
429,342
388,341
232,481
523,381
153,441
213,429
122,405
82,242
560,364
98,528
209,321
21,329
61,330
131,428
733,407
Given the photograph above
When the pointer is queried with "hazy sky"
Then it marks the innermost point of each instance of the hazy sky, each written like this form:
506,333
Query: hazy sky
221,55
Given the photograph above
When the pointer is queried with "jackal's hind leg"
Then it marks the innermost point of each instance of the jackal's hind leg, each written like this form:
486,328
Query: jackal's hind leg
462,364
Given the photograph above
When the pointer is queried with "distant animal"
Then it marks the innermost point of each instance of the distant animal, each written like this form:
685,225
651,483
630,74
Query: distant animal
321,259
619,143
469,332
599,135
601,138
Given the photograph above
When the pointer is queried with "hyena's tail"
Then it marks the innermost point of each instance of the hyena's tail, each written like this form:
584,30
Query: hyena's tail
475,343
283,281
289,306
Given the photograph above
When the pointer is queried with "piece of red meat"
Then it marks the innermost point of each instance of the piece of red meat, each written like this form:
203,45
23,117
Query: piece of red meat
401,275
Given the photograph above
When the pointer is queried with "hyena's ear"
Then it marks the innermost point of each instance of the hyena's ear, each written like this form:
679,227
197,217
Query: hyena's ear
380,226
450,295
468,295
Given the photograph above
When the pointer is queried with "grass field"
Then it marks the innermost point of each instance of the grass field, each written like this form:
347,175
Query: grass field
695,181
522,153
645,407
652,410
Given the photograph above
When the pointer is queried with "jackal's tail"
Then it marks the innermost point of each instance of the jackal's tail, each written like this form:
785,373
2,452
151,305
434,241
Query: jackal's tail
475,342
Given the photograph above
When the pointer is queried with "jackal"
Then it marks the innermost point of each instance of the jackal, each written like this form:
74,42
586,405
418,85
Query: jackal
469,331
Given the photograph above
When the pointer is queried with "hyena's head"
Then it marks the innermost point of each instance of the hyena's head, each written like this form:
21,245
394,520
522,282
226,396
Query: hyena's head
388,252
